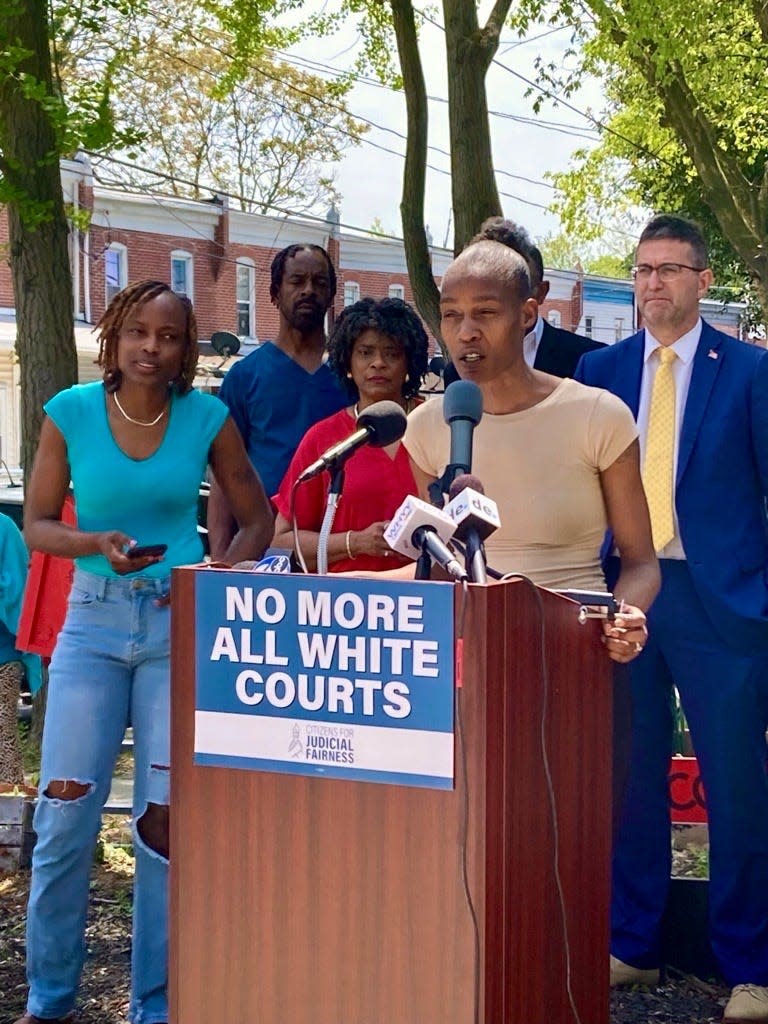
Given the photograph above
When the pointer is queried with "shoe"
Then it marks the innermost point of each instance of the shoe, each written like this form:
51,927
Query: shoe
30,1018
748,1003
626,974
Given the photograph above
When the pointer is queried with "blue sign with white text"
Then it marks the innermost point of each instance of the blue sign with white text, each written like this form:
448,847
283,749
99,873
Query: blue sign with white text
336,676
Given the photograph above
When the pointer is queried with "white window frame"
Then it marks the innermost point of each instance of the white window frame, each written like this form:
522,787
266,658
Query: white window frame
589,326
181,255
121,252
554,318
351,288
397,291
618,328
246,263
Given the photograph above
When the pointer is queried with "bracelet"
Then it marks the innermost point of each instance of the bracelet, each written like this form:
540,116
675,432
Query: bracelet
349,549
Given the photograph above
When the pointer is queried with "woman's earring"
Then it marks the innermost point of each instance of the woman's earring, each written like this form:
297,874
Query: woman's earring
349,375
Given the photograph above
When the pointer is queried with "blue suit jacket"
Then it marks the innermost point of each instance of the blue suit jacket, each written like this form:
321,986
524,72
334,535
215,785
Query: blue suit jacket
722,472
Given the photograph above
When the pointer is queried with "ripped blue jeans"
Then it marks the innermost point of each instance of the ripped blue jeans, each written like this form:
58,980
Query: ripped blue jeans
110,669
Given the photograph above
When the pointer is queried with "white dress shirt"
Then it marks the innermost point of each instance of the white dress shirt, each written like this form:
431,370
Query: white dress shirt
685,349
531,342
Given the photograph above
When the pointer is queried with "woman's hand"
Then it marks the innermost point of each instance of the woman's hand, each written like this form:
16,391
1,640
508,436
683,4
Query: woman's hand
112,544
626,635
369,541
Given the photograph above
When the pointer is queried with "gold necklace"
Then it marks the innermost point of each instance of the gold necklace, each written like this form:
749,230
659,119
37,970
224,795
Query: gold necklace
139,423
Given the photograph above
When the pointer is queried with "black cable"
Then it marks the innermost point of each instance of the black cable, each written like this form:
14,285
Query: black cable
464,779
551,798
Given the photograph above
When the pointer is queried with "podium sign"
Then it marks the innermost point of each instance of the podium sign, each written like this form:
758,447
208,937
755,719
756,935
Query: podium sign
316,676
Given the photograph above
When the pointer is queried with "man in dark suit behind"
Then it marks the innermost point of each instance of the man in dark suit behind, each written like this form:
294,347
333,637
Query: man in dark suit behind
701,402
555,350
547,348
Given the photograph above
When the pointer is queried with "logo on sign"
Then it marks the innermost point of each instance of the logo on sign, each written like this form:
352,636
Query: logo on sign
273,563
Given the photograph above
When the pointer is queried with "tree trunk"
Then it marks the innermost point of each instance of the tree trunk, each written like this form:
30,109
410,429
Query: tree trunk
39,256
470,50
417,256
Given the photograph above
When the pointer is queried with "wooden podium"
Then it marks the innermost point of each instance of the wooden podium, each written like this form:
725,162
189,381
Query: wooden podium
298,900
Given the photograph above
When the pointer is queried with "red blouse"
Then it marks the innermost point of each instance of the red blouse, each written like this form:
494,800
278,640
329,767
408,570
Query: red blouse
374,487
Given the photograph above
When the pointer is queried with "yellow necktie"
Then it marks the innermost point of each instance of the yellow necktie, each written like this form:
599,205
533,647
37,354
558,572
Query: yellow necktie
658,464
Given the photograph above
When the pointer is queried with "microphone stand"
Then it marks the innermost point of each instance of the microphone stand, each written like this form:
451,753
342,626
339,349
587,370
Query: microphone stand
423,565
335,488
440,487
474,559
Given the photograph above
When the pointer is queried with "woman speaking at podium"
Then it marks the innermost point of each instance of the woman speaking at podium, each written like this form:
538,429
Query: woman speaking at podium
379,352
560,459
135,446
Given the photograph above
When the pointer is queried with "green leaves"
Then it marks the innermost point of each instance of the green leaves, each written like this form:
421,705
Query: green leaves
685,123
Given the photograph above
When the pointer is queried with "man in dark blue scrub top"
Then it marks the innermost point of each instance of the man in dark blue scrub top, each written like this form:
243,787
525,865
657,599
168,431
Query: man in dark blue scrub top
277,392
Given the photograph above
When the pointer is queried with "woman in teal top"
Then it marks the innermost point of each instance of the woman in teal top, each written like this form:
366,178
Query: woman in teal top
135,447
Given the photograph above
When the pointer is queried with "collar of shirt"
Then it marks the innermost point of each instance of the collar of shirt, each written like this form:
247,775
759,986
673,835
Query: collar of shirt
685,347
531,342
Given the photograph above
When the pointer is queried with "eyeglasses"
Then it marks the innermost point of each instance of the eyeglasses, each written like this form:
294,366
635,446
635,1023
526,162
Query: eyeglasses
666,271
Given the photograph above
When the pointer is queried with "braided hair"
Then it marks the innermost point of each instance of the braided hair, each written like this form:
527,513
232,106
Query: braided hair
393,318
113,318
279,262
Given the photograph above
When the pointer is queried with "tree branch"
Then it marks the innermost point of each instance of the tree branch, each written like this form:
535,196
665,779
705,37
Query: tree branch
414,174
760,8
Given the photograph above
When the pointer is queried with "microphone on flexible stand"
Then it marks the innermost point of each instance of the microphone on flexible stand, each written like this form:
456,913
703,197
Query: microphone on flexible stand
380,424
418,529
475,517
462,411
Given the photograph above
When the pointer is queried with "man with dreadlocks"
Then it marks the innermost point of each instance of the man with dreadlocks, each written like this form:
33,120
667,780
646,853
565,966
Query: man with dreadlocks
279,391
135,447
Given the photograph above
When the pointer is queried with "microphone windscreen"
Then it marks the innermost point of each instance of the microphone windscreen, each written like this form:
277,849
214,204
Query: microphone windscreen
462,481
385,422
463,400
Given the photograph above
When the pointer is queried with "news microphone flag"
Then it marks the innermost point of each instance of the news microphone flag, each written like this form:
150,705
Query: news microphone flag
412,514
470,508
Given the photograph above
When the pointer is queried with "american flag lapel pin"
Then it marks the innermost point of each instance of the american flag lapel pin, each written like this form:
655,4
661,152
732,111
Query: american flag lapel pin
712,354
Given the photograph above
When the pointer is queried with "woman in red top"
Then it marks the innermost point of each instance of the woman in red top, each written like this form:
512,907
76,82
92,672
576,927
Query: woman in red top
379,351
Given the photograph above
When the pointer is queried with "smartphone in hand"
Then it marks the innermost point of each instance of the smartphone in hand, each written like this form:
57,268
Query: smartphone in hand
146,551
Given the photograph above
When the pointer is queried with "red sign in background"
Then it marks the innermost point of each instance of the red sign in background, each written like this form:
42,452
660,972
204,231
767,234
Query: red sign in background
45,597
688,805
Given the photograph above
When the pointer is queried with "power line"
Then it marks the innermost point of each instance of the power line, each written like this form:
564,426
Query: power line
373,124
319,67
601,125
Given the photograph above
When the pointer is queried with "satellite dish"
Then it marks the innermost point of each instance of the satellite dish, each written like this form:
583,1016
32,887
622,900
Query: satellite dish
225,343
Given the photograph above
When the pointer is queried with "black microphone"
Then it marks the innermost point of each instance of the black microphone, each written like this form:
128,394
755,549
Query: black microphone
428,539
462,411
380,424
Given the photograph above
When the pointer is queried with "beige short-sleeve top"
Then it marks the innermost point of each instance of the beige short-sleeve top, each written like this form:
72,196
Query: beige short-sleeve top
542,467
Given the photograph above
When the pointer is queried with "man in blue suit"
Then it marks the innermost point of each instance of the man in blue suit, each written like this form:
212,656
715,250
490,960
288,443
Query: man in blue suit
708,628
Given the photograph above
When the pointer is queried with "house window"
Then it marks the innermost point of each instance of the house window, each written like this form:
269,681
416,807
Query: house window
245,289
553,317
589,323
181,274
351,292
115,270
397,291
618,328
